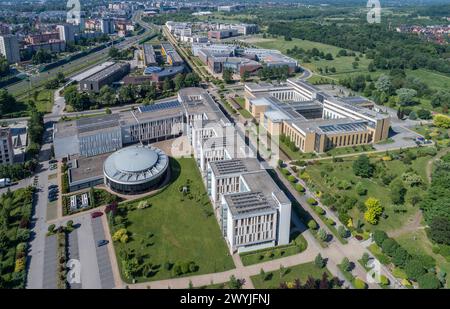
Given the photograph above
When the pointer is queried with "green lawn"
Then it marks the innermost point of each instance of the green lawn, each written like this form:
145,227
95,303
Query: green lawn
301,272
343,65
245,113
325,175
175,228
297,245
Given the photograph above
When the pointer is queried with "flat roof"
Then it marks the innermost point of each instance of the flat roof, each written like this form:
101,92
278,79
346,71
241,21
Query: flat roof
261,181
106,72
249,203
92,71
87,168
234,166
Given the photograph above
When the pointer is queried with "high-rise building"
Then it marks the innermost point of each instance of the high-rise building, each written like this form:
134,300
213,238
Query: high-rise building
66,32
9,48
6,147
107,25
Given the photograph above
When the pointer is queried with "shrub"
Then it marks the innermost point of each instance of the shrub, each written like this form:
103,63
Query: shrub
379,236
118,235
319,210
19,265
312,225
322,235
359,284
299,188
21,247
384,280
414,269
51,228
319,261
345,264
360,189
285,171
291,178
330,221
342,231
311,201
389,246
70,223
429,281
400,257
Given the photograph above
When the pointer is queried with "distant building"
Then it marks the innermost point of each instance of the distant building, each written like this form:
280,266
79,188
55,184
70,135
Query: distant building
105,77
6,147
222,34
245,29
53,46
67,32
107,25
9,48
173,58
149,55
42,38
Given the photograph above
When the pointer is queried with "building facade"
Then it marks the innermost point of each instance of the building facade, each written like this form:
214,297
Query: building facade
6,147
9,48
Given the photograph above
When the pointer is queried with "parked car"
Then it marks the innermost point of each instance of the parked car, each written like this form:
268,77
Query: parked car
52,186
53,161
102,242
96,214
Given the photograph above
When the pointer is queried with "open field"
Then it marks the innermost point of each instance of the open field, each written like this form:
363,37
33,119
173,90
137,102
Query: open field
175,228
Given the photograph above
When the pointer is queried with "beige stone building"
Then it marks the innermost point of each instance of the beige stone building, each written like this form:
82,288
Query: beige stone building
315,121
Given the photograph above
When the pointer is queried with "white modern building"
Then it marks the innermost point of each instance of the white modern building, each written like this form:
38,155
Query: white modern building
253,213
67,32
107,25
9,48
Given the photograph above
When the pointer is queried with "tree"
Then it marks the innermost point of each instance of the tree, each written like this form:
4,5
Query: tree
4,66
106,96
319,261
342,231
414,269
7,102
398,191
414,196
365,258
362,167
126,94
312,224
167,85
235,283
400,257
345,264
328,56
322,234
245,76
383,84
406,96
389,246
440,98
424,114
360,189
441,121
374,210
227,75
440,230
379,237
429,281
179,81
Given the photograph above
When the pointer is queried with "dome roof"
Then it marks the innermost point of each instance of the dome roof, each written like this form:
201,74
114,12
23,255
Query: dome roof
135,164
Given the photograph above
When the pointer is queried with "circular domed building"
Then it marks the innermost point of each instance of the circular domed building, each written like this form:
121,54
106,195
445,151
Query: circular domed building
135,169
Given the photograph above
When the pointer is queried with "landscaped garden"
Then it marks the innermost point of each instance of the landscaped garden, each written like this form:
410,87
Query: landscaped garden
15,215
298,244
307,275
381,191
170,234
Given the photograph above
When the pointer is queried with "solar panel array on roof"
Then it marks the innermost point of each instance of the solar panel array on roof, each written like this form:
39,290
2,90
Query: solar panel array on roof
230,166
249,202
345,127
159,106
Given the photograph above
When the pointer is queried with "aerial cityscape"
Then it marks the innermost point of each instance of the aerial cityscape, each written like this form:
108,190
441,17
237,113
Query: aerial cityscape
224,145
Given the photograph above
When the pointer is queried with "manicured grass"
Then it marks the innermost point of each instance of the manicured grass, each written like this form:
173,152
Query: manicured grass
175,228
343,65
434,80
297,245
301,272
348,150
325,175
245,113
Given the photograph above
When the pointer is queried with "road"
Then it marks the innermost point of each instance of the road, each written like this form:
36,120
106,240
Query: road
89,60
